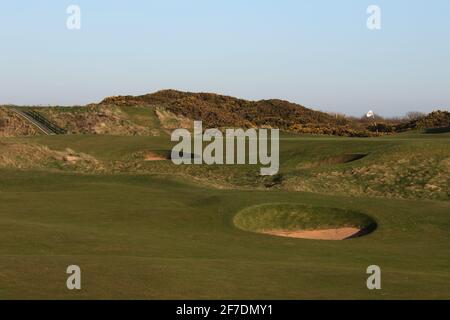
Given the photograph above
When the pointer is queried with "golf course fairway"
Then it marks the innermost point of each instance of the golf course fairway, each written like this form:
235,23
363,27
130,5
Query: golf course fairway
165,234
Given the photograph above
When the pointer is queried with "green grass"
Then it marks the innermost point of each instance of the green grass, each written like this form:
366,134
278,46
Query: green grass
162,233
142,115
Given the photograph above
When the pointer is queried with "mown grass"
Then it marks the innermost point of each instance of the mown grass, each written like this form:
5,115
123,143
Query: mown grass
160,232
153,237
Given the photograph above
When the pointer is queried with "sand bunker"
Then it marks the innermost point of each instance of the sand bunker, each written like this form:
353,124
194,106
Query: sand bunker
303,221
324,234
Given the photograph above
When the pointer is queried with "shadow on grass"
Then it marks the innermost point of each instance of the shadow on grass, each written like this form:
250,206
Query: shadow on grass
437,130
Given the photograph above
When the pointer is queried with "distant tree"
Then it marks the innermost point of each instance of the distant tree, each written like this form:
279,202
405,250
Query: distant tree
414,115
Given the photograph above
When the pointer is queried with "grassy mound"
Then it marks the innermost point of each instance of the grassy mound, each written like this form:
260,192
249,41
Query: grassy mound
291,217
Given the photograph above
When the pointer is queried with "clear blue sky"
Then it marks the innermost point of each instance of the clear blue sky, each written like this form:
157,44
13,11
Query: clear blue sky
318,53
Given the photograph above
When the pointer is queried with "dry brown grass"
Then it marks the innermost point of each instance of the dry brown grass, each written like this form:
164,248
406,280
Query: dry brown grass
13,125
96,120
32,156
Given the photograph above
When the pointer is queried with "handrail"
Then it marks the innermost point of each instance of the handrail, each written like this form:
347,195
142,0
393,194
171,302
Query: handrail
40,122
45,122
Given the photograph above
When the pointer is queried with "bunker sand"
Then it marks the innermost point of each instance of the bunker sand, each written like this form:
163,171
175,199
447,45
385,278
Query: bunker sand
323,234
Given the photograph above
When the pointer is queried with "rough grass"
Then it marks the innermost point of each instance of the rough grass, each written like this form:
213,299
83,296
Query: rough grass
12,124
26,156
410,166
111,120
394,168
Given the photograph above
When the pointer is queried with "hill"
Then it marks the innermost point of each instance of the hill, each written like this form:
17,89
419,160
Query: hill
435,120
163,111
225,111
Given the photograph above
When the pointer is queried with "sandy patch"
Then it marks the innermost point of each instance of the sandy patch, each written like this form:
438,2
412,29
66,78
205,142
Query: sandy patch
324,234
154,157
71,158
171,121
